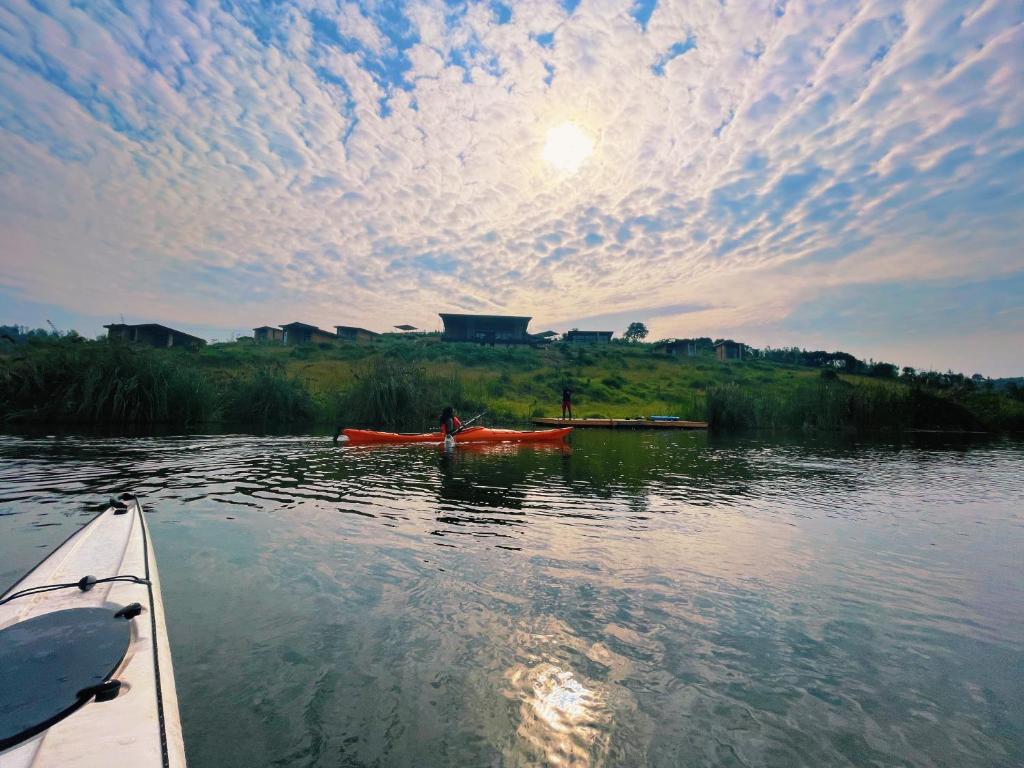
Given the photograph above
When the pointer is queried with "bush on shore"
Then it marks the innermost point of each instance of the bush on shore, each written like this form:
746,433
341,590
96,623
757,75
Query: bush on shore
837,405
104,384
268,396
393,394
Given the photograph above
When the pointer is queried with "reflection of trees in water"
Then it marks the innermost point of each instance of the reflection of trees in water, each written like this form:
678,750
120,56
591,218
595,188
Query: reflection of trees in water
480,486
482,479
631,468
628,464
485,486
706,469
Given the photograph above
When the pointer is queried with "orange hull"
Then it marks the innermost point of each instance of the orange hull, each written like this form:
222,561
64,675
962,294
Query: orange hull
468,435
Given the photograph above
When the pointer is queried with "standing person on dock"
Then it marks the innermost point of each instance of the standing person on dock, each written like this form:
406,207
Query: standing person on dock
450,423
566,401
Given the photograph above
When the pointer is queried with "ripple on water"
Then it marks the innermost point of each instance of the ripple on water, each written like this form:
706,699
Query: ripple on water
634,599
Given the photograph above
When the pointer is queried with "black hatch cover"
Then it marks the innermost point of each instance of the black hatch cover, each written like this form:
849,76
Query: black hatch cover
46,661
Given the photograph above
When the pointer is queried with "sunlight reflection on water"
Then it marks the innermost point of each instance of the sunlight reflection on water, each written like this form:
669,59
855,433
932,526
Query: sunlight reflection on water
561,718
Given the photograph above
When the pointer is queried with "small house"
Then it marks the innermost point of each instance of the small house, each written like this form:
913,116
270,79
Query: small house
351,333
153,335
303,333
486,329
587,337
728,350
266,334
681,347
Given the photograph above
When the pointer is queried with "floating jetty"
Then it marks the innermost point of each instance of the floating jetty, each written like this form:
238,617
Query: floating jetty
621,423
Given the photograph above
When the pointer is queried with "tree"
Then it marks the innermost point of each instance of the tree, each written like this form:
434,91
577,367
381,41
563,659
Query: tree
883,370
635,332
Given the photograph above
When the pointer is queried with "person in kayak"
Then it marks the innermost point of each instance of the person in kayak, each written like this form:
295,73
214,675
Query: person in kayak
566,402
450,424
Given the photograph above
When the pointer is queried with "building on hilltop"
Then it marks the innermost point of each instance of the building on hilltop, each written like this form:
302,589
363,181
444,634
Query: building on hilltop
267,333
587,337
486,329
681,347
729,350
351,333
303,333
152,334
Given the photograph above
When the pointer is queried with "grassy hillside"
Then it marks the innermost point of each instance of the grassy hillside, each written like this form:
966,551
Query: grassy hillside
517,383
405,380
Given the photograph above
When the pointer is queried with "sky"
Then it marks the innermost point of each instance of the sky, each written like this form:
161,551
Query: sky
829,175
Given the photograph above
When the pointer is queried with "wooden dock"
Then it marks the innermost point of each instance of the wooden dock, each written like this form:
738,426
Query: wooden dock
621,423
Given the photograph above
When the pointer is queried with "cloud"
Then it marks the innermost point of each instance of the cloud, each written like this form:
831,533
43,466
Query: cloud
384,158
618,321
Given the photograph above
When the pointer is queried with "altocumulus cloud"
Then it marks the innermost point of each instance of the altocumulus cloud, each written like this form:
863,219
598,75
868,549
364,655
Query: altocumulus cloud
234,163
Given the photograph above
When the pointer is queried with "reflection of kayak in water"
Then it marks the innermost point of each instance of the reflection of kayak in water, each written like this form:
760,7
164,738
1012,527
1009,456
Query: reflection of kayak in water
84,659
468,435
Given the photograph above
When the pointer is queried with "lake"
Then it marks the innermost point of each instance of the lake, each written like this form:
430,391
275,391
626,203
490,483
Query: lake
633,599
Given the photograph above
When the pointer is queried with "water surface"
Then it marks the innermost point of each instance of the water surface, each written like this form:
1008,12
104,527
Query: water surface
636,599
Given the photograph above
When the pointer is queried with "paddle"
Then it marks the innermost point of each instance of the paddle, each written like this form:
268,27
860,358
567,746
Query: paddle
467,423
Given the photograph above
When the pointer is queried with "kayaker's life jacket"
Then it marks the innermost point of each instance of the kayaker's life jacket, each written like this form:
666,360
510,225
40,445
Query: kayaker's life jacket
450,426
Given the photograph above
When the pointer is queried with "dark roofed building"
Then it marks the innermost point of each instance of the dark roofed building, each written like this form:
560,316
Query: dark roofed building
153,334
266,333
303,333
487,329
588,337
728,350
351,333
683,347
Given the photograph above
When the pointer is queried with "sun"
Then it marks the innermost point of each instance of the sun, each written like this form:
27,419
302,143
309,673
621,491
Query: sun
567,147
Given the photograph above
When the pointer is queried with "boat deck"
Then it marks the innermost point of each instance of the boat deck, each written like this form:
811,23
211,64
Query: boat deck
620,423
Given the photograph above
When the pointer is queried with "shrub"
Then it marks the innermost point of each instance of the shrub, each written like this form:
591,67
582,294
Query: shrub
395,394
105,383
834,405
268,396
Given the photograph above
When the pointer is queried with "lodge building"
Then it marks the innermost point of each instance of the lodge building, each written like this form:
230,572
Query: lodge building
486,329
351,333
729,350
587,337
303,333
267,333
152,334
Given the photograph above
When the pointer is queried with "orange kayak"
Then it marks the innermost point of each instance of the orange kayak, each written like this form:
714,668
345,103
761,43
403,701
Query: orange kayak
468,435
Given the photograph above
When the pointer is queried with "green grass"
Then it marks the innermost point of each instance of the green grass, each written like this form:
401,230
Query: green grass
404,381
391,393
810,404
268,396
90,383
